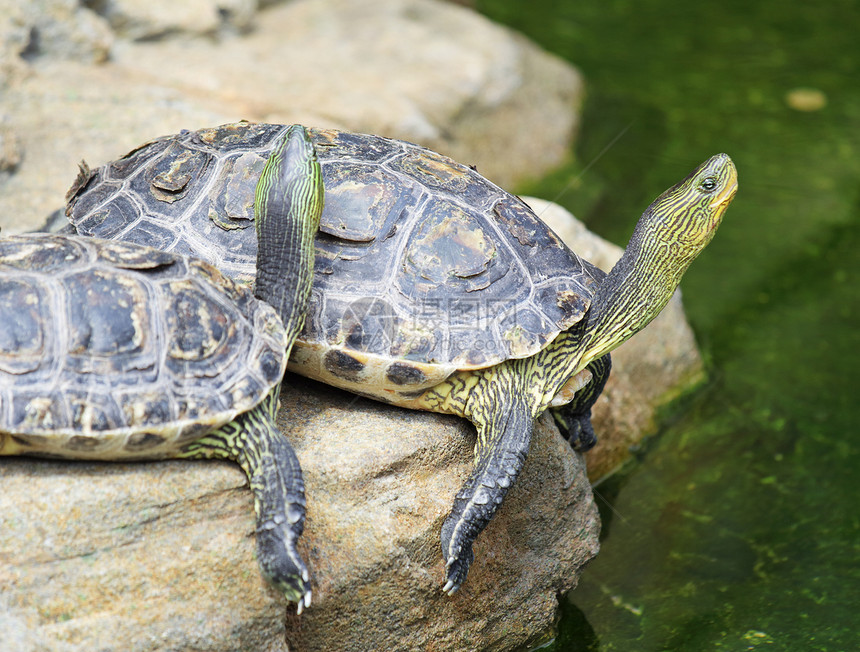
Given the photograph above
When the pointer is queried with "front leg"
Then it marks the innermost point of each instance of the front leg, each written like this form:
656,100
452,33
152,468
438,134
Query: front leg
254,442
574,419
505,429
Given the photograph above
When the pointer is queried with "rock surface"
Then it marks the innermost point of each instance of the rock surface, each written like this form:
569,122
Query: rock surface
421,70
160,556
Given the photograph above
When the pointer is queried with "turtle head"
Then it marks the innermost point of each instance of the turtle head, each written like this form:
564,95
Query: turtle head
683,220
672,231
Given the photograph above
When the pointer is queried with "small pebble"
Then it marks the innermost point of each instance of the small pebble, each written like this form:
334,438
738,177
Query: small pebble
806,99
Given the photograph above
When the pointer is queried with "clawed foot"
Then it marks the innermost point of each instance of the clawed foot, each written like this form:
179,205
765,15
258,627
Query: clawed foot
575,427
456,569
296,587
280,562
581,435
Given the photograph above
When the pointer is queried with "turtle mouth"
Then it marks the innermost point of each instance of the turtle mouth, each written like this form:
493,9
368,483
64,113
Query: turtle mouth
727,194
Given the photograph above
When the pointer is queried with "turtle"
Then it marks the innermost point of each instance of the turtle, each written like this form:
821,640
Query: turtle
112,350
434,289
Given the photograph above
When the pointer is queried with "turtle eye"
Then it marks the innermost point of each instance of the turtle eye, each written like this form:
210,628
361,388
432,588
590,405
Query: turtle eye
709,184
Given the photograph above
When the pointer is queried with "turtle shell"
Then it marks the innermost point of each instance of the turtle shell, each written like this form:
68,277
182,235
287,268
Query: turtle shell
422,265
113,350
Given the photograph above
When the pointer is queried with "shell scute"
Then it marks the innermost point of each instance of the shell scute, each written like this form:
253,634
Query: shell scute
38,411
127,256
443,175
193,406
525,330
366,321
343,365
449,248
227,287
233,206
518,220
48,257
191,431
145,409
92,412
246,388
361,201
270,365
178,173
24,307
401,373
108,317
334,145
173,173
25,442
139,442
133,162
107,219
85,444
151,233
198,329
562,302
248,136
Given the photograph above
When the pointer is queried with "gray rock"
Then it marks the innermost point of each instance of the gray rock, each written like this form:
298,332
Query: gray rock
422,70
10,149
62,112
159,556
381,491
155,19
52,29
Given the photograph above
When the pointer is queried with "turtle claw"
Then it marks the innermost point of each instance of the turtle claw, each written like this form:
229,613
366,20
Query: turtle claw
456,568
451,587
304,602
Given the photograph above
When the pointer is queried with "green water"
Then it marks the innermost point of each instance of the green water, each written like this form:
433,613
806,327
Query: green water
738,527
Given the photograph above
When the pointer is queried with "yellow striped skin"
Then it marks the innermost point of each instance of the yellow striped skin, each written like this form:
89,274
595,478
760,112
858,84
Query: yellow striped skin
503,401
674,229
